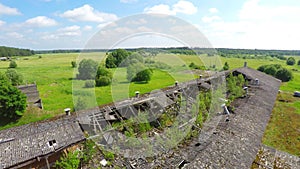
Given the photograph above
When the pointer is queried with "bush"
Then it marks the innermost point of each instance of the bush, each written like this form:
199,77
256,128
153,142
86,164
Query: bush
13,64
40,57
194,66
298,62
270,70
262,68
290,61
284,75
69,161
226,66
103,77
89,84
103,81
277,71
74,64
14,77
144,75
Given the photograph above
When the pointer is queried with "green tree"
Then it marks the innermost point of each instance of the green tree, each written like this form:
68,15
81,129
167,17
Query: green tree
103,77
12,100
144,75
13,64
14,77
87,69
115,58
290,61
226,66
298,62
284,75
138,72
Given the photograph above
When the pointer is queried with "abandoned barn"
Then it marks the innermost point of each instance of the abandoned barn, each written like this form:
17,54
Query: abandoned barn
225,141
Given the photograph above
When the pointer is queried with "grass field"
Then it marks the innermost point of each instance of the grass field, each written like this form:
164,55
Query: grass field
54,77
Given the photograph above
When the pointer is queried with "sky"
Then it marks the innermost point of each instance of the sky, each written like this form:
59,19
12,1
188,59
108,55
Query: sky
70,24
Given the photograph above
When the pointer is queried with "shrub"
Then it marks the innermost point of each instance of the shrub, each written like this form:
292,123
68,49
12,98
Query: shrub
69,161
13,64
284,75
194,66
298,62
270,70
14,77
103,81
277,71
144,75
74,64
290,61
226,66
89,84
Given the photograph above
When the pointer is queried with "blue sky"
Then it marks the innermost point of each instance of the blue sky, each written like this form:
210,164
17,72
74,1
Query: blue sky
69,24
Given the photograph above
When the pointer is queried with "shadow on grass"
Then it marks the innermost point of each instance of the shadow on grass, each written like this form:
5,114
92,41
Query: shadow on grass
143,82
124,82
4,121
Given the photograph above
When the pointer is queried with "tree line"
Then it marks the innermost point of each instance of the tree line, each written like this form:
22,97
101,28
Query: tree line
9,51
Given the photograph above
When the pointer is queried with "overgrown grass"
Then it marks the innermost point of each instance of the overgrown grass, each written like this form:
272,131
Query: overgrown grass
283,130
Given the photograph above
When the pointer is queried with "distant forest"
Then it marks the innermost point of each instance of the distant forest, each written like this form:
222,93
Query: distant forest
9,51
191,51
224,52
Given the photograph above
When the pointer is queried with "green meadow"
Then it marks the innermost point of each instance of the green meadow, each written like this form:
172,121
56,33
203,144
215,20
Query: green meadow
58,89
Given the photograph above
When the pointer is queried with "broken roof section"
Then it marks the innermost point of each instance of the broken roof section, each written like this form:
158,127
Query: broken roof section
32,141
235,143
33,96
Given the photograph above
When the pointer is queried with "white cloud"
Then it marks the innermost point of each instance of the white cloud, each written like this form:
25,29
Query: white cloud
87,28
185,7
128,1
208,19
2,23
40,21
15,35
213,10
181,6
87,13
69,31
5,10
161,9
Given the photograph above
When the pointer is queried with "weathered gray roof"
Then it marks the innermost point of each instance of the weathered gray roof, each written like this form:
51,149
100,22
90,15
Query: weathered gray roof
31,92
268,157
20,144
234,144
